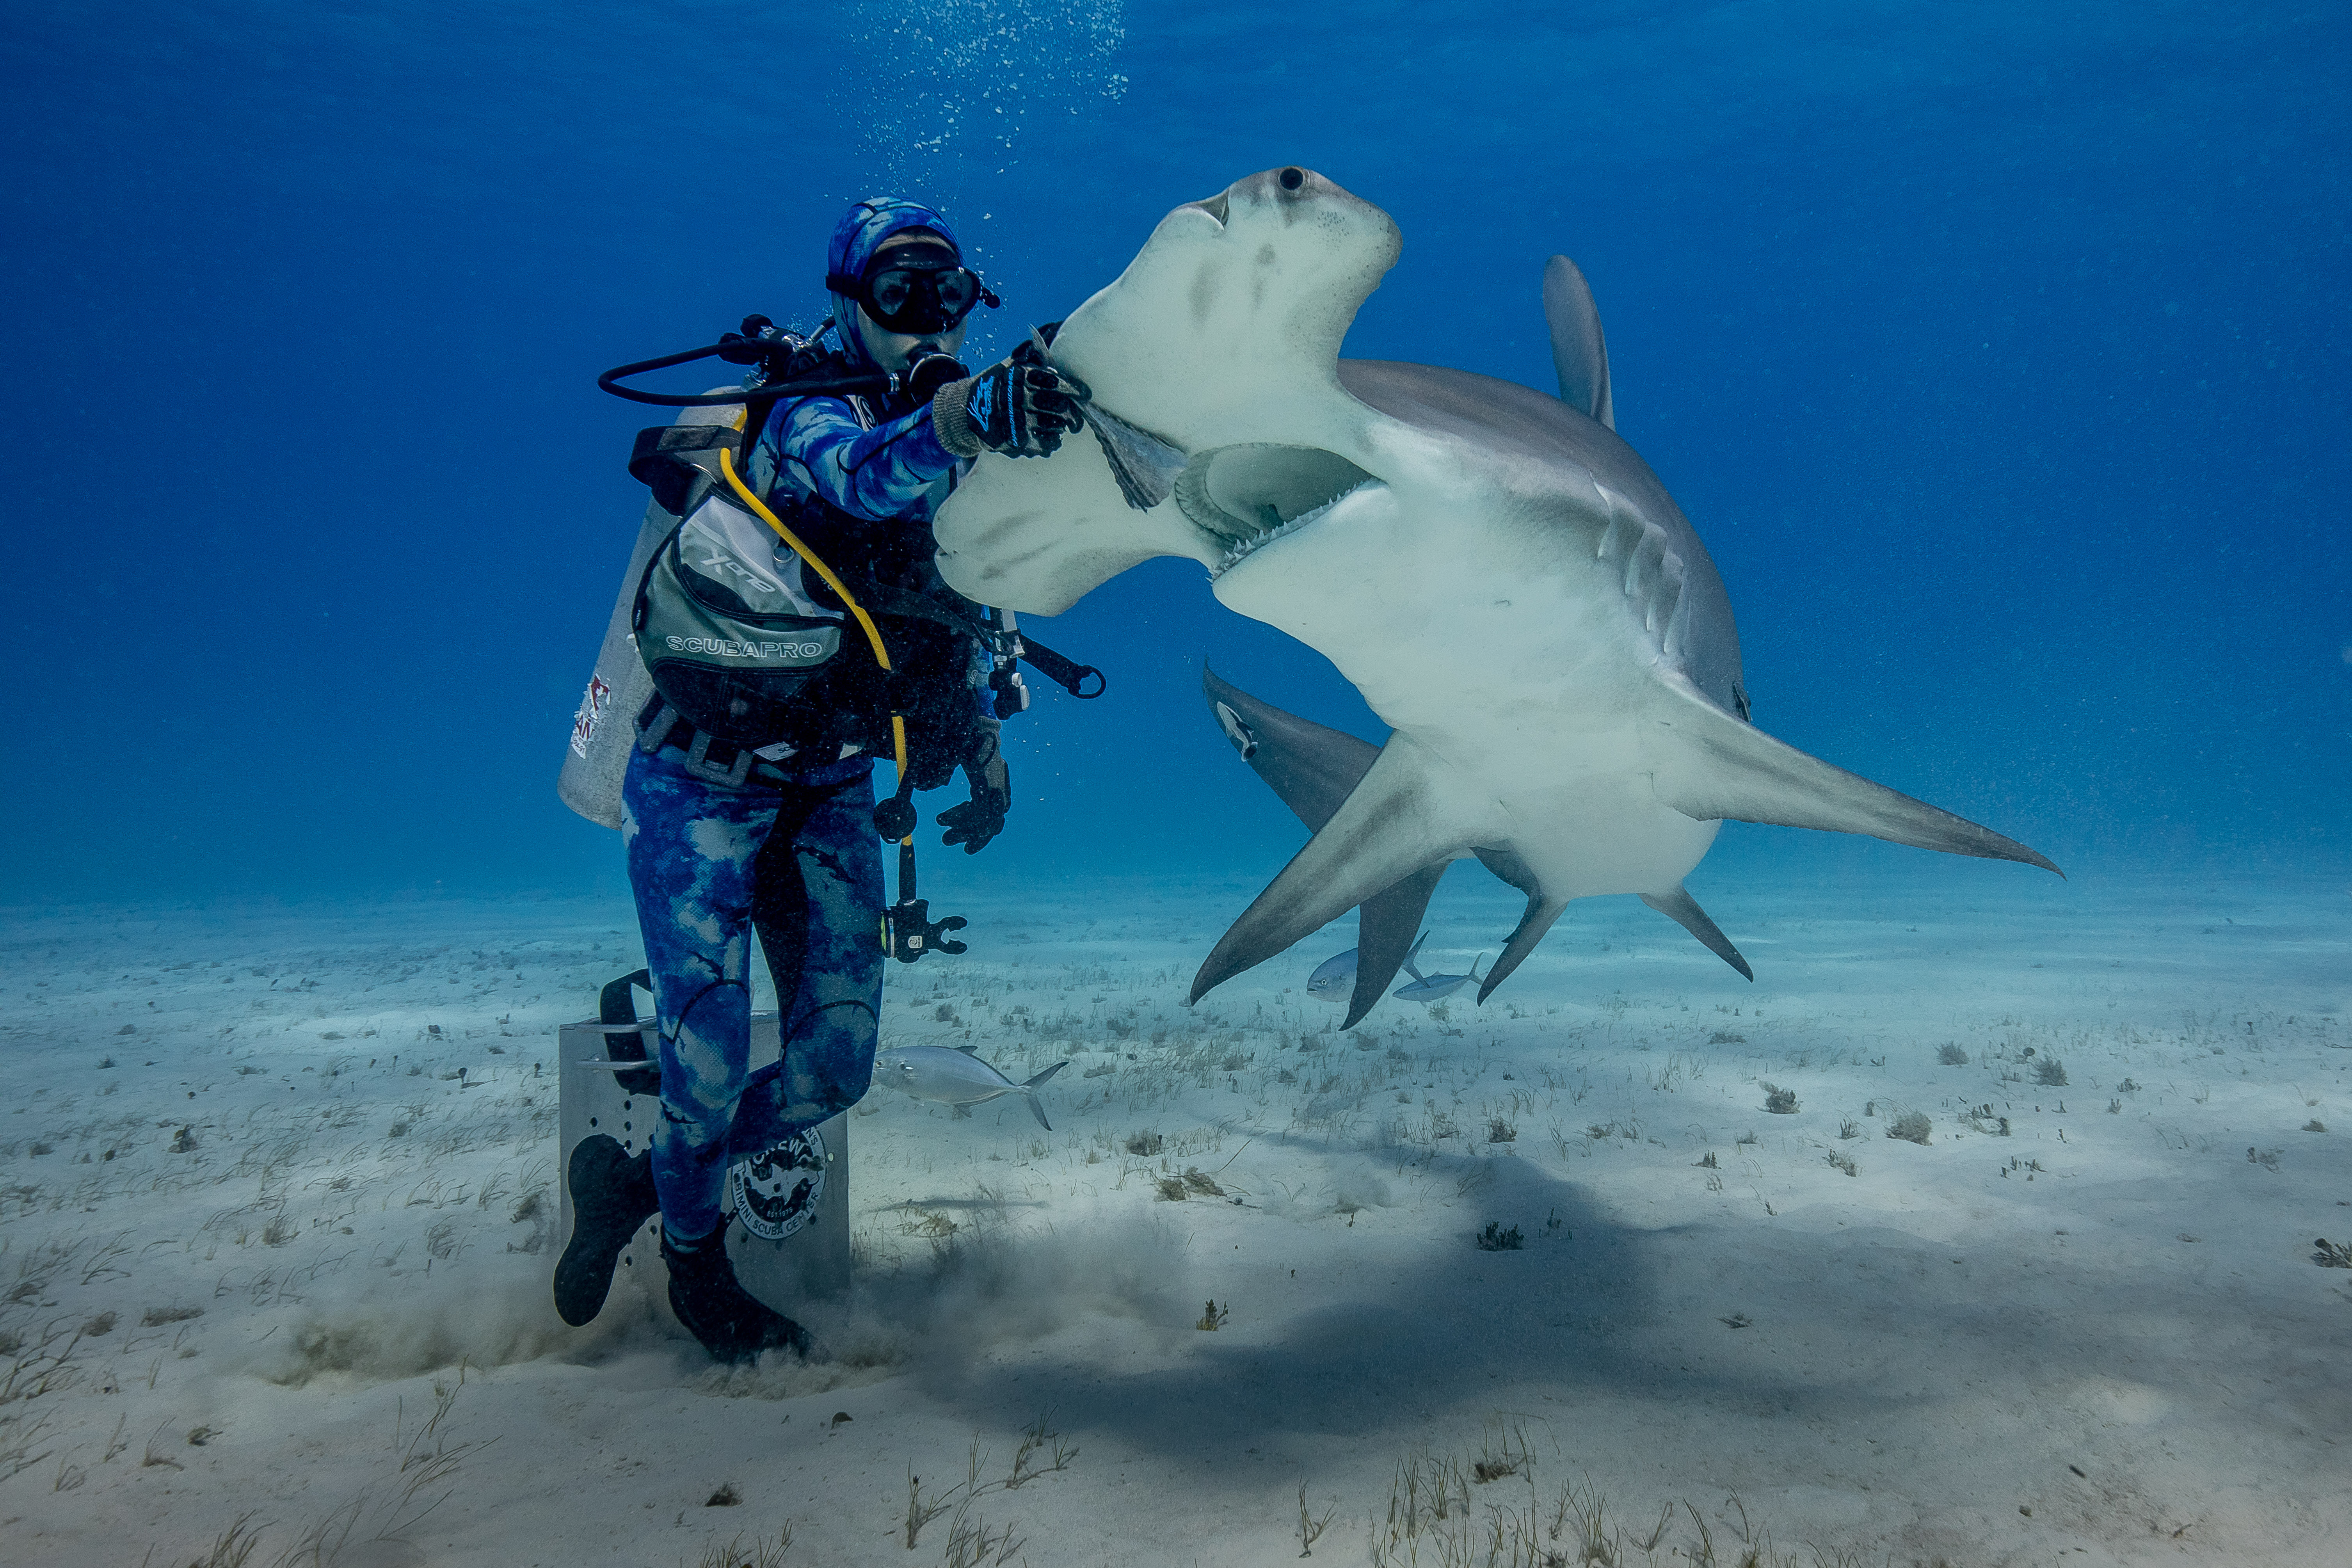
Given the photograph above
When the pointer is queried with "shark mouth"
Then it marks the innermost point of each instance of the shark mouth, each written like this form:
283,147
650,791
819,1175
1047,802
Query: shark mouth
1244,497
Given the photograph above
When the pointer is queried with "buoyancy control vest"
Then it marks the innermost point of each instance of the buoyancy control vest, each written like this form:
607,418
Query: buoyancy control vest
744,614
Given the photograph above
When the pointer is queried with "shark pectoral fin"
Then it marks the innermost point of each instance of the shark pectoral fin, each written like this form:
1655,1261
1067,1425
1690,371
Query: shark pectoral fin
1679,906
1392,826
1578,352
1310,766
1712,766
1541,912
1388,918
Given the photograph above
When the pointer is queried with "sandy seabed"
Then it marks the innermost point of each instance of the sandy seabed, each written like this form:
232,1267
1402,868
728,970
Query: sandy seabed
2027,1275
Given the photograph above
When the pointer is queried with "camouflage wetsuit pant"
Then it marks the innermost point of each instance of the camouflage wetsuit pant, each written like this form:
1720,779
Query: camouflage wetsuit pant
709,864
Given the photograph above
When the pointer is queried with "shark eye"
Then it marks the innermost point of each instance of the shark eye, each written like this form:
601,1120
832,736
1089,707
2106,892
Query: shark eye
1293,178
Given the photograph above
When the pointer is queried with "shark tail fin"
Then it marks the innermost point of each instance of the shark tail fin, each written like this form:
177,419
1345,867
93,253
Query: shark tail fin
1391,827
1541,912
1733,771
1029,1091
1313,768
1683,909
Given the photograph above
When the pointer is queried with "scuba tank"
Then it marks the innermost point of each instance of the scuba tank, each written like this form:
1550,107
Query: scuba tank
619,686
621,683
736,622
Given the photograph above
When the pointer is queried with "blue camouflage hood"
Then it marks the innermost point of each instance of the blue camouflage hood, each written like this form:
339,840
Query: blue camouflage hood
856,239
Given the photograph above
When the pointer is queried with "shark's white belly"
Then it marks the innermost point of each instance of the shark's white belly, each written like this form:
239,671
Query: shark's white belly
1512,662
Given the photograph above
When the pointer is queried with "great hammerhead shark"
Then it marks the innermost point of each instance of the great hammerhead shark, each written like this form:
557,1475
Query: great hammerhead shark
1502,577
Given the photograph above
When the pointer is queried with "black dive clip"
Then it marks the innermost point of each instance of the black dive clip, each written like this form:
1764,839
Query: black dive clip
908,929
912,932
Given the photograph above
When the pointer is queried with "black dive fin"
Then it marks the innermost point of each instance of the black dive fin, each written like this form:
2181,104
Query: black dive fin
1578,352
1683,909
1734,771
1313,768
1541,912
1384,937
1389,829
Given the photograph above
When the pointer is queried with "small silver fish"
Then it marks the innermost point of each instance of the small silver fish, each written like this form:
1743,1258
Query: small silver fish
954,1078
1334,977
1428,988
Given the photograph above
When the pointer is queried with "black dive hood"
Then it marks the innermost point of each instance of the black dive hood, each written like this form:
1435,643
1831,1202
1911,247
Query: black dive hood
776,354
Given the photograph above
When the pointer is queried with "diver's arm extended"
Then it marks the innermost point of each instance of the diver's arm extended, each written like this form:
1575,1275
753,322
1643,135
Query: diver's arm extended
878,473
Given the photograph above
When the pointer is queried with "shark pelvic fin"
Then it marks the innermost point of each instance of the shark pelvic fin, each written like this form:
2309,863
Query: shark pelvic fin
1679,906
1578,352
1541,912
1390,828
1715,767
1387,918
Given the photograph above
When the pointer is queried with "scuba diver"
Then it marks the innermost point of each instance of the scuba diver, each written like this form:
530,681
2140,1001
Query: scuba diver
771,827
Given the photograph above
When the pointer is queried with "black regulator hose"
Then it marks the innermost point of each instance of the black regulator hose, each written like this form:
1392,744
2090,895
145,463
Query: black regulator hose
836,386
919,380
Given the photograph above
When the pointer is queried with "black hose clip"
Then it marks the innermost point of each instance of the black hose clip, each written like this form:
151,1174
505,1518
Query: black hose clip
914,933
893,818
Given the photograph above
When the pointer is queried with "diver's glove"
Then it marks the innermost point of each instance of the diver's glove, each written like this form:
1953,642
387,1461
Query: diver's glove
1020,407
982,818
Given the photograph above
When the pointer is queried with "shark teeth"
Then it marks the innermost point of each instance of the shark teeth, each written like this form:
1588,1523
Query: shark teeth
1242,549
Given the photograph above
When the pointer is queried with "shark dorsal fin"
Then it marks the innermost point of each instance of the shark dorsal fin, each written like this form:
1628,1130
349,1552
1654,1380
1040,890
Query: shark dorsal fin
1578,352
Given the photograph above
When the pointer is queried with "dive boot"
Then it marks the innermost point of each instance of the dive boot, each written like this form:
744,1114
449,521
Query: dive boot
732,1324
611,1194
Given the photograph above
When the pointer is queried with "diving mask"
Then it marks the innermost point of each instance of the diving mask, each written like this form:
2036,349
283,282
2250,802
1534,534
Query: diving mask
915,289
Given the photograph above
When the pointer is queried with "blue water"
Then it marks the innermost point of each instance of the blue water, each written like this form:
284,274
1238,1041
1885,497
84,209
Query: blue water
1999,357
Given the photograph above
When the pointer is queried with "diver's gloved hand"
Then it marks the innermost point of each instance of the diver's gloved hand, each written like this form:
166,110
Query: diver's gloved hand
1020,407
982,818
